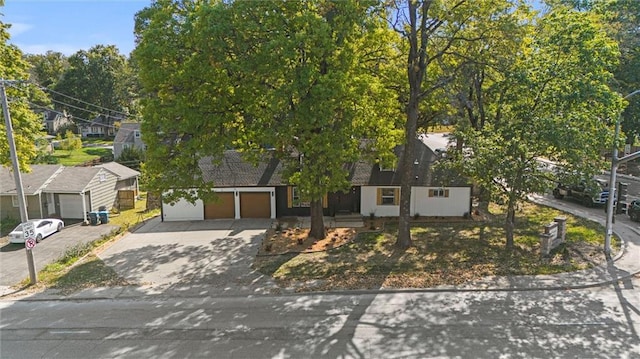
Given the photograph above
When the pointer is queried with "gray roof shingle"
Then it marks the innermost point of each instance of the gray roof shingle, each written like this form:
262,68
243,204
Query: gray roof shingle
234,171
121,171
72,179
32,182
125,132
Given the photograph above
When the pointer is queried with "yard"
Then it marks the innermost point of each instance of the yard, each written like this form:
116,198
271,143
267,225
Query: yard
444,253
80,156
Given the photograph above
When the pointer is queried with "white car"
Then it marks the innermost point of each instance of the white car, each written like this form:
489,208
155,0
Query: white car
43,228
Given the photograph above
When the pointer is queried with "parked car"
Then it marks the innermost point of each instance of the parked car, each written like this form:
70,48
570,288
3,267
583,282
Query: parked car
43,228
589,193
633,210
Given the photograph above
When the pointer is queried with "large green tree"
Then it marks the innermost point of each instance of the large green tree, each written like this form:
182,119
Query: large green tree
297,77
25,123
432,30
622,22
47,69
95,82
554,102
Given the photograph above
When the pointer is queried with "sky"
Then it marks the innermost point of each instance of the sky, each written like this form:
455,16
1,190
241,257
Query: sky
68,26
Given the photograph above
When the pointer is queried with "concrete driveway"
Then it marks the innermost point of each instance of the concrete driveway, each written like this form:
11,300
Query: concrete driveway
13,257
192,258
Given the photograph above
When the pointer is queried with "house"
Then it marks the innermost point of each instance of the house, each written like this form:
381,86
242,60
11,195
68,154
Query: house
127,185
247,191
128,135
57,122
33,184
101,126
59,191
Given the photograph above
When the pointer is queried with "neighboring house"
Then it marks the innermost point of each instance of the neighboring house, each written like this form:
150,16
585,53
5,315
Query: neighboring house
58,191
57,122
78,190
127,186
33,184
246,191
128,135
101,126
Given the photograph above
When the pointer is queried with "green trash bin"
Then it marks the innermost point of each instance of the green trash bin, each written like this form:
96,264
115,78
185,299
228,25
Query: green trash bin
93,218
104,216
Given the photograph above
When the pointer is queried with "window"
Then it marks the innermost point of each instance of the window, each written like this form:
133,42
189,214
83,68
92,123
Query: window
136,134
388,196
439,192
15,203
295,201
102,177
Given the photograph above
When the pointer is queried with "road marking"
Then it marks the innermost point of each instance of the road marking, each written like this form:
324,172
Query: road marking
69,331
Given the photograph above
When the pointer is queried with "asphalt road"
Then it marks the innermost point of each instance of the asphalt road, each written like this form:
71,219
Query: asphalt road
13,257
588,323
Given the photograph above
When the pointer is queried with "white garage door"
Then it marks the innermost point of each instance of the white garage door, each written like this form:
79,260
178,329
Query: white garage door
71,206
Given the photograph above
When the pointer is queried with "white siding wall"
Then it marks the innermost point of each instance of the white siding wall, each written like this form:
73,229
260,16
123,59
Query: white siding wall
183,211
456,205
368,204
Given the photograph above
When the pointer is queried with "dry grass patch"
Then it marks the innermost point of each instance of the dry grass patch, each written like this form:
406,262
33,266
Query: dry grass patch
297,240
443,253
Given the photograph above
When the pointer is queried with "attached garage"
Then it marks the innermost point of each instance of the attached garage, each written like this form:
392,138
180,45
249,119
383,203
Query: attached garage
255,205
71,206
223,207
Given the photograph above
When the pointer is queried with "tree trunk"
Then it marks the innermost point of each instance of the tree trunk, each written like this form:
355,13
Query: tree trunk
510,223
416,67
483,199
317,220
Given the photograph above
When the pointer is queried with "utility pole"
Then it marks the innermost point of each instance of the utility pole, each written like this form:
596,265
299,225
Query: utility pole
17,177
615,161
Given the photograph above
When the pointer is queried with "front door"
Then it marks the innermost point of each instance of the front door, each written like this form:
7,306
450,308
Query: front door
345,202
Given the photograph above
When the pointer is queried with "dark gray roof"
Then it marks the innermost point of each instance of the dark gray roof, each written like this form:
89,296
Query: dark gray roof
32,182
72,179
121,171
234,171
125,132
365,173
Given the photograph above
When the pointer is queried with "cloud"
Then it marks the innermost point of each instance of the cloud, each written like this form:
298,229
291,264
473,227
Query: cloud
35,49
18,28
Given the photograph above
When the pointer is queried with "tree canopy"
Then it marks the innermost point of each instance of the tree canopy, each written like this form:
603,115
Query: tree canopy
554,103
293,79
25,123
95,82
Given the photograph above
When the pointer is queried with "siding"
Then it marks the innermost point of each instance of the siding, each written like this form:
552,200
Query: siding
103,192
8,210
369,198
456,205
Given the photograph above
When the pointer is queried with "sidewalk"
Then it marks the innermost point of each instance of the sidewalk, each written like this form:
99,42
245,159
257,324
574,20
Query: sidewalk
223,269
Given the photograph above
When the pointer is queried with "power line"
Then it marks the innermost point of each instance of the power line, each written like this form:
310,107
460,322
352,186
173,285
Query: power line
64,114
73,106
81,101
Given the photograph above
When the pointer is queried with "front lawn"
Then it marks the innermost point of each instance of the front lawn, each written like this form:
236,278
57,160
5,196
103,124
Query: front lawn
444,253
80,156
